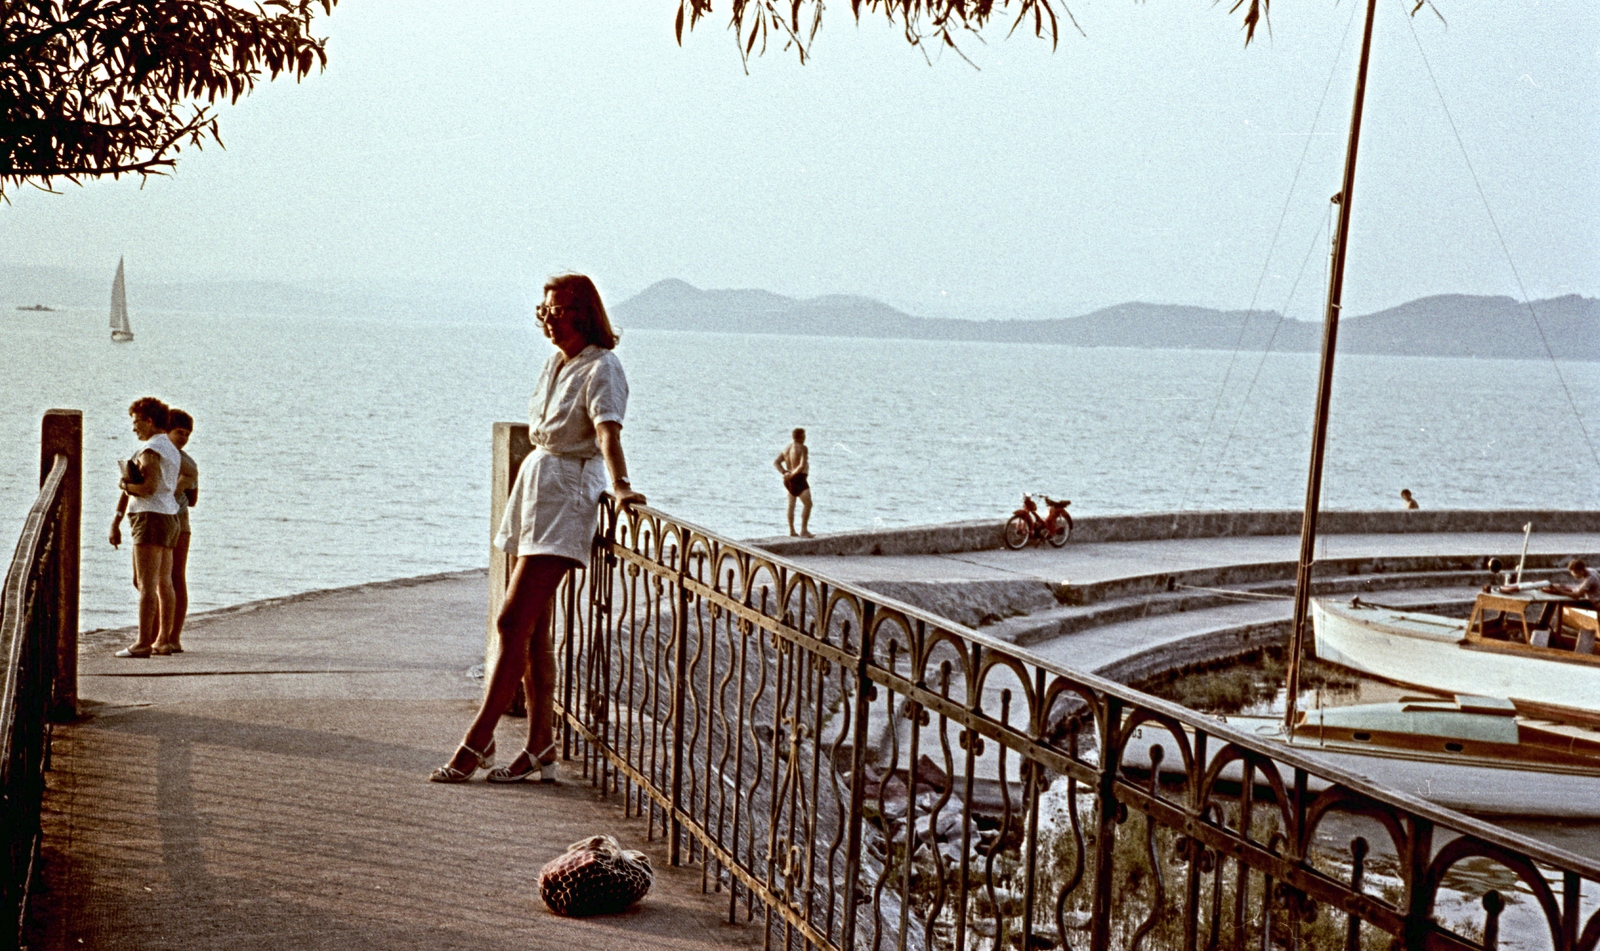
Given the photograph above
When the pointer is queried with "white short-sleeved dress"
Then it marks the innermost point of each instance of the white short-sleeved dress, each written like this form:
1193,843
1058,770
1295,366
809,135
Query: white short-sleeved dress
553,502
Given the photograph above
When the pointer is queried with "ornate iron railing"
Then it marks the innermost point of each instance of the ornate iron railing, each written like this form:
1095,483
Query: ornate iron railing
28,646
38,646
861,774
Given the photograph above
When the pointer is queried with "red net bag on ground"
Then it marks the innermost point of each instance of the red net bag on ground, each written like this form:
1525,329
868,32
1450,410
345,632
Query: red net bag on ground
595,877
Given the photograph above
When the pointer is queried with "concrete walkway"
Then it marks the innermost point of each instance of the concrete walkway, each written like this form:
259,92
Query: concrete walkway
1089,563
1105,607
267,789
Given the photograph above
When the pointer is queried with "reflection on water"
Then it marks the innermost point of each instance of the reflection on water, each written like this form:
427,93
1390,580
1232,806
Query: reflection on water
1255,685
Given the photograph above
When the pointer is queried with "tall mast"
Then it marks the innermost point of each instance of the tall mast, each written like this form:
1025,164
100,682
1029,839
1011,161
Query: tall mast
1330,336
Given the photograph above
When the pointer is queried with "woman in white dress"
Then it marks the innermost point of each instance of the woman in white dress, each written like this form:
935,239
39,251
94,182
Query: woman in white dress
575,425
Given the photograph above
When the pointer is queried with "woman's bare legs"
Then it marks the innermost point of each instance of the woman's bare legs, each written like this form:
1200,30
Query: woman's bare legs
180,588
523,616
539,680
152,575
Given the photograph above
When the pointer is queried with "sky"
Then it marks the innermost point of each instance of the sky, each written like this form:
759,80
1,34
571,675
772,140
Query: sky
1155,157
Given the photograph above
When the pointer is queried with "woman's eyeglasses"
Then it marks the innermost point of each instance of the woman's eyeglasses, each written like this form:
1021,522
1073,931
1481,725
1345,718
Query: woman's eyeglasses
549,312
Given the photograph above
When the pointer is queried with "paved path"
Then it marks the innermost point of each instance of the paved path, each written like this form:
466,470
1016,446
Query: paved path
1080,564
1137,629
267,790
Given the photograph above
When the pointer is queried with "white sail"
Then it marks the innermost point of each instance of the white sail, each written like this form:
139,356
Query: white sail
119,308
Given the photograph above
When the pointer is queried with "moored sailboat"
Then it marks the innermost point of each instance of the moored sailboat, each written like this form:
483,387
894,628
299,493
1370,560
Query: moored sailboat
120,331
1455,752
1534,648
1480,755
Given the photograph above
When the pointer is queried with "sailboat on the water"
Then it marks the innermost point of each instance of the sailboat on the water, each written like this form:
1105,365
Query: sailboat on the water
120,331
1479,754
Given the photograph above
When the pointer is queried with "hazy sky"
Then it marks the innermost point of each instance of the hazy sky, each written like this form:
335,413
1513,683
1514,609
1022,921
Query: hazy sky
1151,159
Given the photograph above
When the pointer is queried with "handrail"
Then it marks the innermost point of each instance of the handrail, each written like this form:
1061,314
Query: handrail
13,598
30,625
784,730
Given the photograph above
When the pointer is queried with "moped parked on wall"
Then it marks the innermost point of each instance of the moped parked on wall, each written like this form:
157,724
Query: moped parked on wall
1027,525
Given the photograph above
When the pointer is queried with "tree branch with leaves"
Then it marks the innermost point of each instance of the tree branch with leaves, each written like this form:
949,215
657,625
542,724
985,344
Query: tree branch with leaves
940,22
112,87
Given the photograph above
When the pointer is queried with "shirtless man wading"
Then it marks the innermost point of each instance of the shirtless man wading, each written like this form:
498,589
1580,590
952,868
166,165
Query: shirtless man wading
795,464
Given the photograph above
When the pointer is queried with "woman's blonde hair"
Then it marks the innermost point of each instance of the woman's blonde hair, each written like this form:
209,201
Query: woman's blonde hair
578,292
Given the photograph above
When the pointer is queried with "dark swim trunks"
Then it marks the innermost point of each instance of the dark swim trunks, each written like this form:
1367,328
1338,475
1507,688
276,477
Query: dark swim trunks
796,484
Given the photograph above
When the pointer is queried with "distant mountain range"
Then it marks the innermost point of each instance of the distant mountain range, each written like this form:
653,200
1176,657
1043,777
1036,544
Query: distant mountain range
1446,325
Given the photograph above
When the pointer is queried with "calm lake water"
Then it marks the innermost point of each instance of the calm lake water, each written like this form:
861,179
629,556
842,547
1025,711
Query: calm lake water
336,452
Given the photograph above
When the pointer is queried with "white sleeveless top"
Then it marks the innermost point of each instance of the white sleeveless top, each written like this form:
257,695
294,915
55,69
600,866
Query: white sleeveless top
165,499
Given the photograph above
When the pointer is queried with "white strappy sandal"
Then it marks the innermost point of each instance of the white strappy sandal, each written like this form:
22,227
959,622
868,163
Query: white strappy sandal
449,774
546,771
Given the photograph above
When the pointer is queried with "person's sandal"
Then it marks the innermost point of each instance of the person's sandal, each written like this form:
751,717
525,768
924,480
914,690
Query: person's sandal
133,652
449,774
546,771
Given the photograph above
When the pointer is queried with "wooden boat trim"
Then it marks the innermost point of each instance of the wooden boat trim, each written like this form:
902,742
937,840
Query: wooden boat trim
1478,755
1423,754
1556,711
1475,642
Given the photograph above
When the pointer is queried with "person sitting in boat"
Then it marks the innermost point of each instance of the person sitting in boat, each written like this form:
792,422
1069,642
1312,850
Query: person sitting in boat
1587,587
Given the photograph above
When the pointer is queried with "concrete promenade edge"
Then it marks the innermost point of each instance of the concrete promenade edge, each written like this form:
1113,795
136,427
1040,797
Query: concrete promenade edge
267,789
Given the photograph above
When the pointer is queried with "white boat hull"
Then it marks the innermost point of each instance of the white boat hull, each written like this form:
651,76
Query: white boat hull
1425,650
1467,784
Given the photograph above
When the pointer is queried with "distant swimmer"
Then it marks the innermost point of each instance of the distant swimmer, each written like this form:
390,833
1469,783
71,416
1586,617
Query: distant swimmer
795,464
1405,496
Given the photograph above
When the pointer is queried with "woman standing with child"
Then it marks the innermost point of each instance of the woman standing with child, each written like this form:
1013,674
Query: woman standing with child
574,422
149,496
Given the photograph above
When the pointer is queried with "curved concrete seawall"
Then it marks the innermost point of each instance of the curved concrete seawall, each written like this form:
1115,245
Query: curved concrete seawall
1132,596
984,534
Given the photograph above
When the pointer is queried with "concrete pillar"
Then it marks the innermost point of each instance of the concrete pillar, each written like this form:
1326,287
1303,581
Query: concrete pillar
511,446
62,434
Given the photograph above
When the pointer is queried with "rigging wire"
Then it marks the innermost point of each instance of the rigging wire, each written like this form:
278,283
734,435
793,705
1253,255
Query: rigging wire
1317,238
1216,406
1266,267
1504,248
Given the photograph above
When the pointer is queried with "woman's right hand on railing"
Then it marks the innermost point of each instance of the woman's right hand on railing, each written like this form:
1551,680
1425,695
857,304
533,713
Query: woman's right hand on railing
626,496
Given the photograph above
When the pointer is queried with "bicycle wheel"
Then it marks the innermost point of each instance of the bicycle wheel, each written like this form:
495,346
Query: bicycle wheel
1017,532
1060,530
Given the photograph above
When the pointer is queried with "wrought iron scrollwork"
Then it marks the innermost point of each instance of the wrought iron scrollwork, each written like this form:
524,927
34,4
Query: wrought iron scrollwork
861,774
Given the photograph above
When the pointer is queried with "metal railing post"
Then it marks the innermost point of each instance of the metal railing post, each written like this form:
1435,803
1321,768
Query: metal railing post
62,434
858,777
1418,897
511,446
680,685
1106,827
